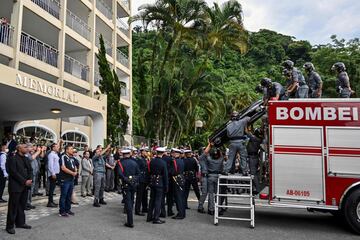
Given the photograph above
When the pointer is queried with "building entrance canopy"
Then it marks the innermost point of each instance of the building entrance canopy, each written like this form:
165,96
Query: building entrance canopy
25,97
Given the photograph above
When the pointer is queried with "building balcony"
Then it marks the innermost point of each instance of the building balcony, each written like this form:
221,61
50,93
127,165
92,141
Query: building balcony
125,94
51,6
77,24
104,9
76,68
123,27
39,50
6,34
125,3
107,43
122,58
97,78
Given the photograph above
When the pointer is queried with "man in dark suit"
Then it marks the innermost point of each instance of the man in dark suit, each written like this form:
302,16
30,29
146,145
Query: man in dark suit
20,175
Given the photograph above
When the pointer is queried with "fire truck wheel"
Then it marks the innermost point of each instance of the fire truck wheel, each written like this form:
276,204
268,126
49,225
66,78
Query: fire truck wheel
352,210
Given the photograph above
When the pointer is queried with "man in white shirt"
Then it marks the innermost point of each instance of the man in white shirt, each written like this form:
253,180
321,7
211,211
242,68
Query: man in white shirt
3,173
53,168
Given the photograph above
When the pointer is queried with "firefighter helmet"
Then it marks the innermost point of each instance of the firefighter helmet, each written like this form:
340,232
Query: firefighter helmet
288,64
309,67
266,82
339,67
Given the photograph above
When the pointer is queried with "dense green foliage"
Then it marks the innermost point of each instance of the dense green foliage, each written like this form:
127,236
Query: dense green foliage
117,118
200,66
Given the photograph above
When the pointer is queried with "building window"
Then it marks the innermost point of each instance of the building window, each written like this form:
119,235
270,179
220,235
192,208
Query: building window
76,139
35,134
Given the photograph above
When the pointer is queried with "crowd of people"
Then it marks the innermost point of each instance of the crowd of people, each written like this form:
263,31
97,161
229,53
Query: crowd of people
167,174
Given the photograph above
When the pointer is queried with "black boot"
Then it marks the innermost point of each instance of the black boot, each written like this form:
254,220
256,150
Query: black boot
96,203
102,201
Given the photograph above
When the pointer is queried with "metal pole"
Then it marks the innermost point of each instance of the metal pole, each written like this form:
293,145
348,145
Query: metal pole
60,136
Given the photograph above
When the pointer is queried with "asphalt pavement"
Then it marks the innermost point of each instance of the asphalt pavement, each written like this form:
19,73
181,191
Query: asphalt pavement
107,223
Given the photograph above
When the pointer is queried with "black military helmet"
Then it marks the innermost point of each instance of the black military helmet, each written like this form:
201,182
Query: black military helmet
288,64
339,67
259,88
309,67
215,153
265,82
234,115
258,132
286,72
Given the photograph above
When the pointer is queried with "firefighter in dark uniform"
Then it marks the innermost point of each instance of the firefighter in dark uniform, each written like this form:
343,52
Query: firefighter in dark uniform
141,191
343,82
295,84
313,81
129,173
158,184
178,182
191,171
169,195
272,91
253,148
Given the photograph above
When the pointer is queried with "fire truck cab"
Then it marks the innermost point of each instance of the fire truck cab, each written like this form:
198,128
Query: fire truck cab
314,156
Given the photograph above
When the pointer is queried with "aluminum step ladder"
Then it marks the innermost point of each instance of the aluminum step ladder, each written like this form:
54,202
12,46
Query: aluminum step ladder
235,182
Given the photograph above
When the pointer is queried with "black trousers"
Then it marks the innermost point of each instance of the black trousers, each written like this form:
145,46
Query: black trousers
179,200
188,183
2,183
129,203
141,198
52,185
42,176
16,206
169,198
116,179
156,196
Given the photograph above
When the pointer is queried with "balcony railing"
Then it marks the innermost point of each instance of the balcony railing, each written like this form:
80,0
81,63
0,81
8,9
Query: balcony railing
107,43
51,6
105,9
97,78
76,68
125,94
122,58
125,3
6,34
122,26
78,25
39,50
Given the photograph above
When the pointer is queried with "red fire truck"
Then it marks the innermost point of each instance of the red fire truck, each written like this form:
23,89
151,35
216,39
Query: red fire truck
314,157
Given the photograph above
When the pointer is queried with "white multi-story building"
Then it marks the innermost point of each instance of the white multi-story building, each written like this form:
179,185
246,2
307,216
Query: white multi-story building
49,75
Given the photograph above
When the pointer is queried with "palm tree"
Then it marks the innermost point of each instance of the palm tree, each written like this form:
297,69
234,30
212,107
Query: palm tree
226,27
180,84
176,19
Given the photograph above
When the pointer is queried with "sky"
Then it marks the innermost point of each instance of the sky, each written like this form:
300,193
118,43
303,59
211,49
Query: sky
312,20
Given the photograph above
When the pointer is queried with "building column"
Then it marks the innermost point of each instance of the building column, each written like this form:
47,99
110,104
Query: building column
61,47
91,58
98,130
114,34
16,21
130,76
